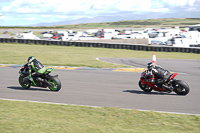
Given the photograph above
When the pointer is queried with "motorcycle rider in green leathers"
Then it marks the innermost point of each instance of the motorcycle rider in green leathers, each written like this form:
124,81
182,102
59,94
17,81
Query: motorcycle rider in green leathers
35,69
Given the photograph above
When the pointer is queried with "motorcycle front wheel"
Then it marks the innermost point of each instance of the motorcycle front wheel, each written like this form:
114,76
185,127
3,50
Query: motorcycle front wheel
55,84
145,87
181,87
24,84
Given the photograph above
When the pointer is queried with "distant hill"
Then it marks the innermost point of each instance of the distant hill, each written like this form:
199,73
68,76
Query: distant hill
148,23
82,20
164,22
127,16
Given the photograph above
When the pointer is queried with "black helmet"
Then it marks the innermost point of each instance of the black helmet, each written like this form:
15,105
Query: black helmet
150,65
30,58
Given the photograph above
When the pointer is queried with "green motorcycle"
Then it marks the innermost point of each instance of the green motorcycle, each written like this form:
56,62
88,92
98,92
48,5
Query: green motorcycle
45,80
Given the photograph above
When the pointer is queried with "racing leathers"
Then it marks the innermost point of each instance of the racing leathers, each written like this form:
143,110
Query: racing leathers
35,69
159,76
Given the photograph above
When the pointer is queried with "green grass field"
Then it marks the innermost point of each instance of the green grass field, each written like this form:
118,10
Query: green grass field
76,56
29,117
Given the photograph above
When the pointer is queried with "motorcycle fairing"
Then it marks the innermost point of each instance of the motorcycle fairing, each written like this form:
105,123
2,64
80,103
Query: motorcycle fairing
173,75
49,70
150,84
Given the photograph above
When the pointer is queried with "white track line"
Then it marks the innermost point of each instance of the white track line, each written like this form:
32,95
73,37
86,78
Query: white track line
111,63
97,106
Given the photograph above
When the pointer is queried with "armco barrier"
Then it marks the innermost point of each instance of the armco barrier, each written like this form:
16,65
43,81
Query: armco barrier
105,45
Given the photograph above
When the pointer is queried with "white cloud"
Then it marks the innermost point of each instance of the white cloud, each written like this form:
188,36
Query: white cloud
46,16
14,4
54,16
27,10
30,18
91,5
160,10
61,16
60,10
179,2
2,16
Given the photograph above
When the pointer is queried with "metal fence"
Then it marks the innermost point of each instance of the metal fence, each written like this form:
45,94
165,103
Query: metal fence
104,45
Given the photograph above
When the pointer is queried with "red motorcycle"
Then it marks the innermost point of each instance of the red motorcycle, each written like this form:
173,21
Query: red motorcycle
178,86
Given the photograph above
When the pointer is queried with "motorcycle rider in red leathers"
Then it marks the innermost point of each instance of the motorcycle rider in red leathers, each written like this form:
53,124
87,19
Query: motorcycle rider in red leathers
161,75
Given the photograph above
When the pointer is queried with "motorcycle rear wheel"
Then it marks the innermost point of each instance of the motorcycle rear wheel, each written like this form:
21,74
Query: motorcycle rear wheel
181,87
55,82
145,88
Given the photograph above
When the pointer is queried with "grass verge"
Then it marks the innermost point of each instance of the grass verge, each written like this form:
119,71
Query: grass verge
32,117
77,56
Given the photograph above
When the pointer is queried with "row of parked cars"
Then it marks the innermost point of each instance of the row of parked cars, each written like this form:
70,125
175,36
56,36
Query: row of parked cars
112,34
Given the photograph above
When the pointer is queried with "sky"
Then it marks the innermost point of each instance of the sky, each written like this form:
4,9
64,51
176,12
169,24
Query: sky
33,12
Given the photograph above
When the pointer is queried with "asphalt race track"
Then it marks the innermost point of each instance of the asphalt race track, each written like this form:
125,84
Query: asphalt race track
110,88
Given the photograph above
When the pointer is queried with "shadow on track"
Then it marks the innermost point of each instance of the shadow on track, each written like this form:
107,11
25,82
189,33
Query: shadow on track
30,89
149,93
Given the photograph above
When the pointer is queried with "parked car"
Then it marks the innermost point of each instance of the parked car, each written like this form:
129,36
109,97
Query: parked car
99,34
153,34
158,43
5,32
57,36
139,35
44,33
